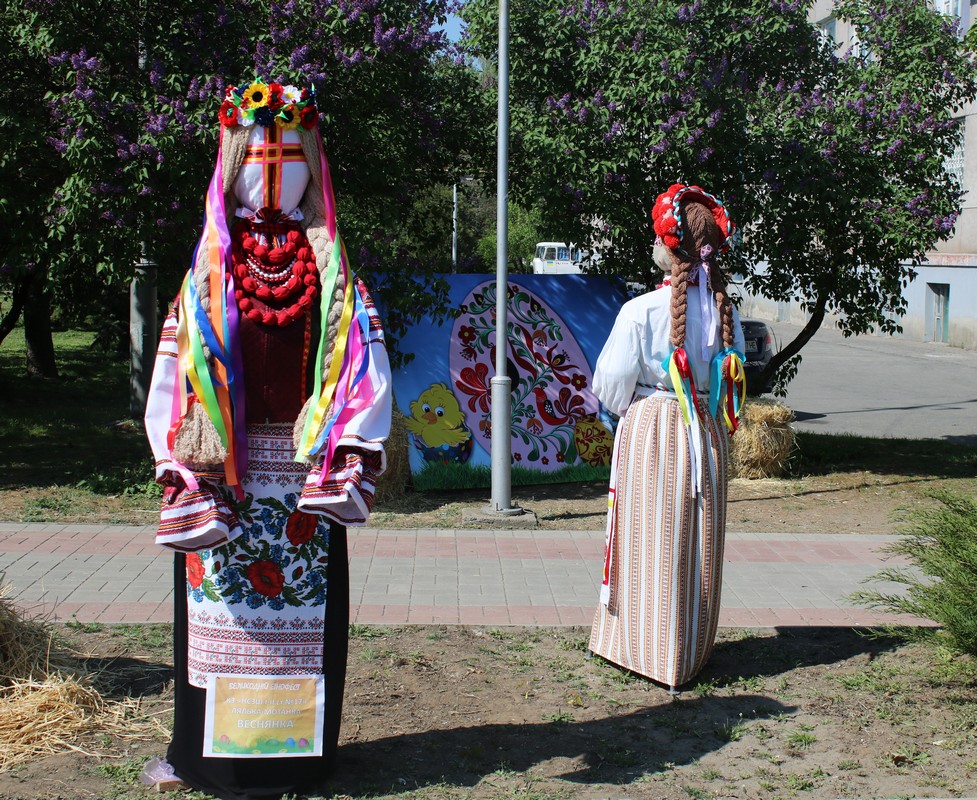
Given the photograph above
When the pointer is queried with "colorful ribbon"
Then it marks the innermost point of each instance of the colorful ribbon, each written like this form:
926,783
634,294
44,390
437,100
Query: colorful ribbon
727,382
217,385
339,390
678,367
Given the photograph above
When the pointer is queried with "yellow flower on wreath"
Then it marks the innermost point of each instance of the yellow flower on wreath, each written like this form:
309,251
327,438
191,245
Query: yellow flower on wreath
256,95
288,118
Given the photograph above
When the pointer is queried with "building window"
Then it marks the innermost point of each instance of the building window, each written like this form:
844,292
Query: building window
828,28
954,163
950,8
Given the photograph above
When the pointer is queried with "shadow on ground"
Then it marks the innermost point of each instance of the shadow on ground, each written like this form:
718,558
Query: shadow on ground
623,744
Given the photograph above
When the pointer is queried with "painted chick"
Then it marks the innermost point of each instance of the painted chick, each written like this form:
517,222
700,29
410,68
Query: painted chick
437,421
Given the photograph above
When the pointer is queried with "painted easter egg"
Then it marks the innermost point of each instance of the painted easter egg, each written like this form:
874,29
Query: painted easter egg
595,444
550,376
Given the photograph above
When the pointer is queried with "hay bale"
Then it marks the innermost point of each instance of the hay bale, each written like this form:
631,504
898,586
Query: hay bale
396,480
765,440
28,647
49,702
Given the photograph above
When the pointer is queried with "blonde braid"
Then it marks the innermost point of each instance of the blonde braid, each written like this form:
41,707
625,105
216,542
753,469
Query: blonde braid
197,444
321,242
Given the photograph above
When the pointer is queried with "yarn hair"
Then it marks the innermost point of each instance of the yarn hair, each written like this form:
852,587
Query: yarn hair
700,230
200,445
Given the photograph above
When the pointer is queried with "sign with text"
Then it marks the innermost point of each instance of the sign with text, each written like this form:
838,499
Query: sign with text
264,717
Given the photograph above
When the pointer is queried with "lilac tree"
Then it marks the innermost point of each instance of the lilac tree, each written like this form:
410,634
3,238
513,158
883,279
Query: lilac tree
831,159
123,118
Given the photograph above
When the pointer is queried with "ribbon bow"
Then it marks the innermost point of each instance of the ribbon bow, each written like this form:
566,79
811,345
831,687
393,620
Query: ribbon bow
678,367
700,279
727,383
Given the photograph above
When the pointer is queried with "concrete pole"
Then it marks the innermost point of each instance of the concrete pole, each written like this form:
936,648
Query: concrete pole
501,383
142,333
454,228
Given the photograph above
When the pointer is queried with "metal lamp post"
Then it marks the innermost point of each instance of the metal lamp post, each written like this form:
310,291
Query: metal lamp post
501,501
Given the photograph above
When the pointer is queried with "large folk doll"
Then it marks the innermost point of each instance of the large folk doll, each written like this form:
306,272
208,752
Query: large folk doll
672,369
268,411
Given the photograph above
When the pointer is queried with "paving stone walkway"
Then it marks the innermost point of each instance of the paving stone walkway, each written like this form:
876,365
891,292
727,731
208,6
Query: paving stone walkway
115,573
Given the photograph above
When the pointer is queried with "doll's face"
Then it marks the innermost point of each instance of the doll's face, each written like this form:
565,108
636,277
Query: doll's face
274,173
664,258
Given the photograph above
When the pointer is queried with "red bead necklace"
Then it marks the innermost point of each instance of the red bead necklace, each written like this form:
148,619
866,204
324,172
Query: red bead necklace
273,264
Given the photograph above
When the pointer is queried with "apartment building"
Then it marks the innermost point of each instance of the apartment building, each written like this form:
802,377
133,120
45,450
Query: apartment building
942,300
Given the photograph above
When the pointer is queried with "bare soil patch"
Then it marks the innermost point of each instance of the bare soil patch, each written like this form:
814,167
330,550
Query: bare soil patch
439,712
841,502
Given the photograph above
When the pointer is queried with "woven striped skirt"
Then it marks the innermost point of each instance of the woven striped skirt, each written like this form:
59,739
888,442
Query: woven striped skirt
659,609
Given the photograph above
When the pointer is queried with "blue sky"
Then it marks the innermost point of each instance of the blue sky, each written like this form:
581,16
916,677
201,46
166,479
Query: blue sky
452,27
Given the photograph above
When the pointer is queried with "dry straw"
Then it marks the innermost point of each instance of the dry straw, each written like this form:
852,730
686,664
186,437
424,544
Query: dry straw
765,440
49,702
395,481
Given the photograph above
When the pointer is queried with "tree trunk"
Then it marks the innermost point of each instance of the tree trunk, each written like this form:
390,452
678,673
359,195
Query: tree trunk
37,330
795,346
12,317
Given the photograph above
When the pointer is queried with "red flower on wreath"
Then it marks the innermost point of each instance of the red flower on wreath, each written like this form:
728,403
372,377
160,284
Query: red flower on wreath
275,100
467,334
309,117
474,383
300,527
195,570
228,114
578,381
266,578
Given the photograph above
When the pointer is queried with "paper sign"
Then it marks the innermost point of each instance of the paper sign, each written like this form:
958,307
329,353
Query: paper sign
265,717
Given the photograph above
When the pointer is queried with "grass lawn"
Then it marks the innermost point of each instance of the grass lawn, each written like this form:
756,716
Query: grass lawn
70,452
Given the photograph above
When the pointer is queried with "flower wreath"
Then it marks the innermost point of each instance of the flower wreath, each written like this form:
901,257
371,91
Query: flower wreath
269,104
667,217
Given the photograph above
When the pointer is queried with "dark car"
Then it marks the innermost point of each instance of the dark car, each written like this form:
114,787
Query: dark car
758,349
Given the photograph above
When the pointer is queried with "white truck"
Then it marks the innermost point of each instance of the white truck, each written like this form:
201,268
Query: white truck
558,258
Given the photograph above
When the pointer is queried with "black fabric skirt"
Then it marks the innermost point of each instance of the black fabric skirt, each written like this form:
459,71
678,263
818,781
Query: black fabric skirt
261,778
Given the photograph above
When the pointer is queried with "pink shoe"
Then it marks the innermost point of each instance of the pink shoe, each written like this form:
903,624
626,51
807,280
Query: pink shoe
159,773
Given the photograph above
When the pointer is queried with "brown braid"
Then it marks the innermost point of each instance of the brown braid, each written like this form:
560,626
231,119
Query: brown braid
699,230
723,303
680,300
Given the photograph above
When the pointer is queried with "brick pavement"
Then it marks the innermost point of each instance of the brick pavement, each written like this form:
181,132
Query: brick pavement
115,573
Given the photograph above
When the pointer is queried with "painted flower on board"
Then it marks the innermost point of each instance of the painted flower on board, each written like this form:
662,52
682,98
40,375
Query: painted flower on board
474,383
266,578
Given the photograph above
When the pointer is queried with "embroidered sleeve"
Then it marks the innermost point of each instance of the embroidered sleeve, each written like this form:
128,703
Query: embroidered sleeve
160,400
346,493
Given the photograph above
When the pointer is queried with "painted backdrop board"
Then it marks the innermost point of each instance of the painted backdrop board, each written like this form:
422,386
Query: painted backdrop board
557,327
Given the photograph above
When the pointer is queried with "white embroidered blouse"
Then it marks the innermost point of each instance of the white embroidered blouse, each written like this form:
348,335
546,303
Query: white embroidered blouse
640,342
